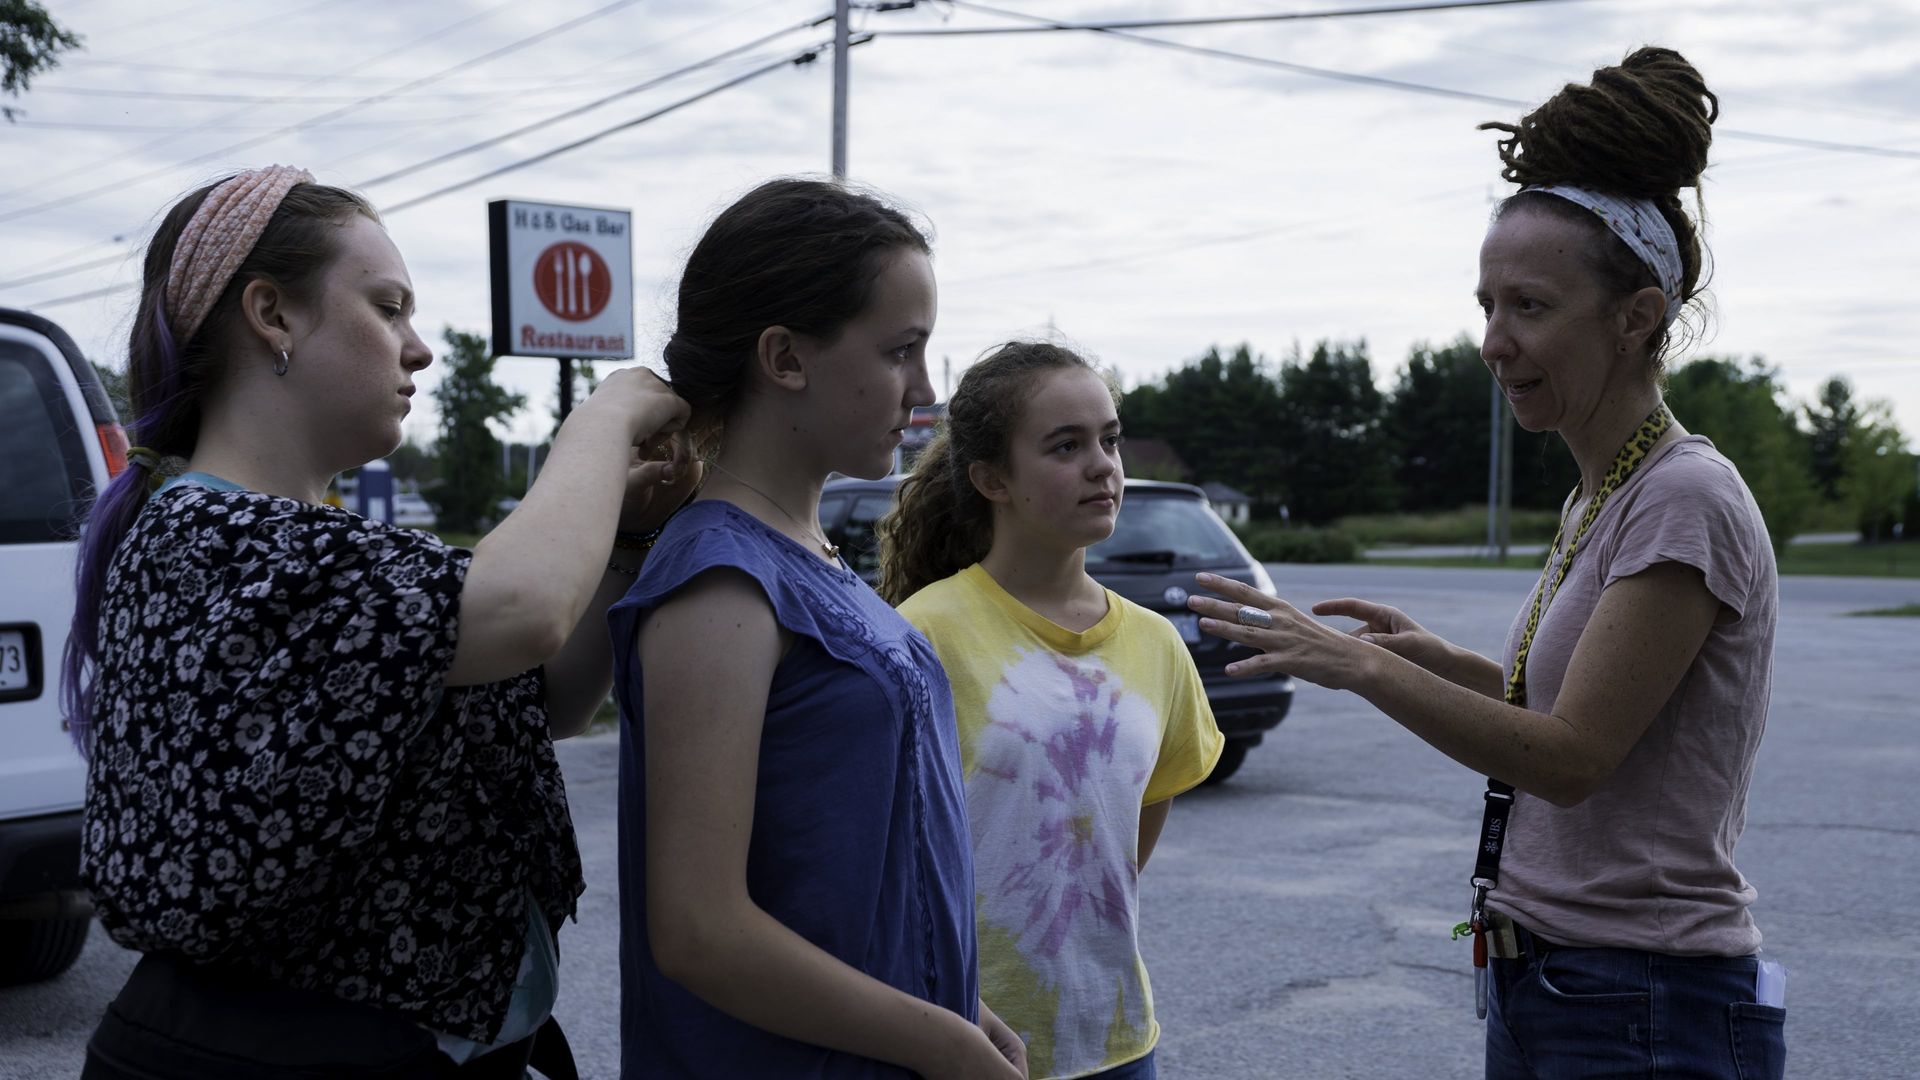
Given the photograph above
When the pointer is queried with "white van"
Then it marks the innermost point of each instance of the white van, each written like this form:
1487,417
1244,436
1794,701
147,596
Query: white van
60,442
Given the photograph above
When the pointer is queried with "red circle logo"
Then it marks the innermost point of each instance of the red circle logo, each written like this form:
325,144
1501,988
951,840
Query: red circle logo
572,281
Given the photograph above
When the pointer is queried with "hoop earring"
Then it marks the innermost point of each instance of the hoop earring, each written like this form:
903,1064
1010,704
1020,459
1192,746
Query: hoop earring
280,363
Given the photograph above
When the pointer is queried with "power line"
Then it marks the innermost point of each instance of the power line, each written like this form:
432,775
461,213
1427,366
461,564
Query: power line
541,81
1215,20
592,105
1259,61
91,294
226,31
1411,87
351,125
804,57
216,98
67,200
90,264
418,166
150,144
378,146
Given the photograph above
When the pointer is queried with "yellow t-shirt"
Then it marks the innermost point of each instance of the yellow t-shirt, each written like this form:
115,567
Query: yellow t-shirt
1063,738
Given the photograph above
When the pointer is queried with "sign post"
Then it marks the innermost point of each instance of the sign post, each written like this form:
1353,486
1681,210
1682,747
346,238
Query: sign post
562,281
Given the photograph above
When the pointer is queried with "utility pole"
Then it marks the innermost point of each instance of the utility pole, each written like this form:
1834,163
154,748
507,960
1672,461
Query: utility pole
1493,468
1506,484
841,31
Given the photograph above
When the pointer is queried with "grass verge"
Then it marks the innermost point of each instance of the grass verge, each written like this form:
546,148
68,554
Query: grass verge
1911,611
1467,525
1829,560
1899,560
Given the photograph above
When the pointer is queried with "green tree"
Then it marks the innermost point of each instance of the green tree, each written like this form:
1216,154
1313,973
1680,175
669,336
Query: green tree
1438,421
1328,440
1879,474
1219,413
1831,423
30,43
414,464
469,454
115,384
1740,410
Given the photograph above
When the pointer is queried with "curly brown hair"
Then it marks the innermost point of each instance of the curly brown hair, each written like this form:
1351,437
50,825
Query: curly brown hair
1641,130
940,524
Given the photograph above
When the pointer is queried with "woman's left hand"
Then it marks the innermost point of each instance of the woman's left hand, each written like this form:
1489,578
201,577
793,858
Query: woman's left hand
1004,1039
1297,643
659,478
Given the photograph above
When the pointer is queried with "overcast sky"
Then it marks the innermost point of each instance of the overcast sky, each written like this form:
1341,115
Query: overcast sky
1143,202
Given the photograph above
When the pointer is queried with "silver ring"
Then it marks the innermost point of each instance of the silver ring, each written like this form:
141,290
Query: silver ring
1254,617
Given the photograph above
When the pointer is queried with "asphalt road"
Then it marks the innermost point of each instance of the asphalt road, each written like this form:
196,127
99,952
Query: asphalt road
1296,917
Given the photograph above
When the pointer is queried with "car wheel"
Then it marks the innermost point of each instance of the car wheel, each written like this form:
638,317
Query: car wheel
1231,756
35,949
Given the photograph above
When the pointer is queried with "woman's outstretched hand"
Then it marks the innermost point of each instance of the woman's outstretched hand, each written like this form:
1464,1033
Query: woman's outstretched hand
1387,627
1296,643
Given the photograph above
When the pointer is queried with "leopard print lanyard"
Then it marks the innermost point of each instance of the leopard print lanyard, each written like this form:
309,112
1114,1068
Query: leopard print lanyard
1499,796
1624,465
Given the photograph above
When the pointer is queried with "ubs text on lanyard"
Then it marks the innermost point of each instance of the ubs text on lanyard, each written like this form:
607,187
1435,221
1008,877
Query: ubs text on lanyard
1499,799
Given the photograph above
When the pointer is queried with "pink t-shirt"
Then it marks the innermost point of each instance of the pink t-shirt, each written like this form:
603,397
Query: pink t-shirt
1646,862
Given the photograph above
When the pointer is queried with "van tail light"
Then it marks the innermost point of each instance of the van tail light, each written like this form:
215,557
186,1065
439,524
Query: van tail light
113,443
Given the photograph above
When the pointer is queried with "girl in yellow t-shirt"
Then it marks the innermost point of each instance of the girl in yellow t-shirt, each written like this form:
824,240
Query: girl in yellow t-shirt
1081,715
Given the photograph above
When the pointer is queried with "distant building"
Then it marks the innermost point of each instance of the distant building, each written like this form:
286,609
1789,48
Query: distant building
1153,459
1230,503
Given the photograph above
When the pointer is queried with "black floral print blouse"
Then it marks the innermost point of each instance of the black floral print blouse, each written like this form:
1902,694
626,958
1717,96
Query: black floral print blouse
278,779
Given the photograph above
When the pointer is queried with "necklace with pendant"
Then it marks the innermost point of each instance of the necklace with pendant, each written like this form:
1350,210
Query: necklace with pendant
831,549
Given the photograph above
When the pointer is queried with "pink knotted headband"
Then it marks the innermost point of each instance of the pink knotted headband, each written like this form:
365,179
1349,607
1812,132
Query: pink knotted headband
217,240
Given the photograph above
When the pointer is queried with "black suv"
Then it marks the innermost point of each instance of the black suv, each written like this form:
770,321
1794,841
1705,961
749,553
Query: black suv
1166,533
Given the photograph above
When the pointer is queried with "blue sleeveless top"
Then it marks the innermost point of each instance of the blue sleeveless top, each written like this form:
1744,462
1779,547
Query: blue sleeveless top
860,840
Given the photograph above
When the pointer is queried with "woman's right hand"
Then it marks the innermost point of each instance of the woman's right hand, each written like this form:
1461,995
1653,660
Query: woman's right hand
647,404
972,1056
1388,627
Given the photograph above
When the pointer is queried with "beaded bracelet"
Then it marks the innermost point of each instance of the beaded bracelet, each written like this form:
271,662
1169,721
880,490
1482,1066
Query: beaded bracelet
633,541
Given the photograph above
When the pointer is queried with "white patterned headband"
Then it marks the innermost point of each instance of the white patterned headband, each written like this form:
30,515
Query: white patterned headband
1642,226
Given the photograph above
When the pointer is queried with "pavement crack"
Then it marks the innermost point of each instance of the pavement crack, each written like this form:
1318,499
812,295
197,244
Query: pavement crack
1442,969
1886,829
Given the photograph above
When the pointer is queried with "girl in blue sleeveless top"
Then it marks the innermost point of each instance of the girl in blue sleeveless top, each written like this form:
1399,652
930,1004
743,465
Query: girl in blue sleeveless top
796,888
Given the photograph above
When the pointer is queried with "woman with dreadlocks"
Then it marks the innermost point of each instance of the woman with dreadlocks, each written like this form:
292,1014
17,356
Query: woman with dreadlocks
1620,727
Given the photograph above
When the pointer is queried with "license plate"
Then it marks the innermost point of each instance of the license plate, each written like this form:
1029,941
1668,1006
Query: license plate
15,672
1188,625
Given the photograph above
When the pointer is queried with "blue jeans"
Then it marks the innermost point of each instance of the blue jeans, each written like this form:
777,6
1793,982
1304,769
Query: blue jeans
1138,1069
1559,1011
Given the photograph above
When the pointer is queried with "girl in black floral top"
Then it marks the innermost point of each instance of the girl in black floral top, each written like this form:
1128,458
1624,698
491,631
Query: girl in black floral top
323,799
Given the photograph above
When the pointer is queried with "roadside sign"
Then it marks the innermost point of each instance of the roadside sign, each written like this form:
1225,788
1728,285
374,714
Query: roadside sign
562,279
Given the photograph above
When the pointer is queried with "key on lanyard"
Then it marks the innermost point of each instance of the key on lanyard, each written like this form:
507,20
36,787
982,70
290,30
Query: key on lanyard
1480,987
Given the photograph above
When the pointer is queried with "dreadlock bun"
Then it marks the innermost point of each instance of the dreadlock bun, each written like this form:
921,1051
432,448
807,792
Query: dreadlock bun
1641,129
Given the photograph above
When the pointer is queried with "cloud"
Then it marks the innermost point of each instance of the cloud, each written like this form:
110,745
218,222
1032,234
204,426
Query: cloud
1150,203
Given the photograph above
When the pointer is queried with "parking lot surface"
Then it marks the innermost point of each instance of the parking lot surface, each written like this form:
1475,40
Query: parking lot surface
1296,918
